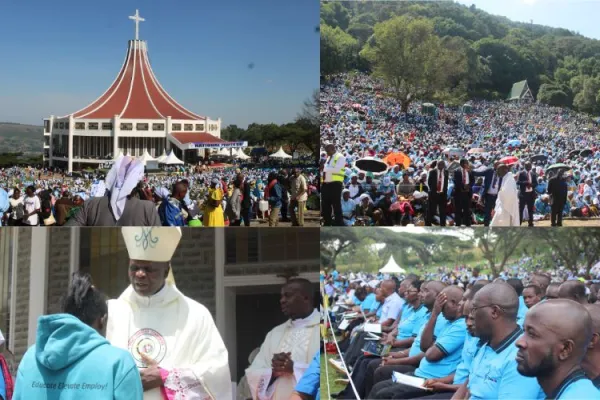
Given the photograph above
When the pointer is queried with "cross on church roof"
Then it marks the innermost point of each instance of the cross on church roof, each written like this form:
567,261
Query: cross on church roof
137,20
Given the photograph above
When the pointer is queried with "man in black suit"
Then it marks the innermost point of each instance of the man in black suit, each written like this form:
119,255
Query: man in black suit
558,189
526,182
491,186
246,200
463,193
438,189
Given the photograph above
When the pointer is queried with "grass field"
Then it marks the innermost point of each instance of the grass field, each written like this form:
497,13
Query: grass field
331,375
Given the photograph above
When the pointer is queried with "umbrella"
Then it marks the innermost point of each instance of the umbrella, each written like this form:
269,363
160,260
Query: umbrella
371,164
558,166
397,159
510,160
574,153
586,153
476,150
539,157
454,151
454,165
513,143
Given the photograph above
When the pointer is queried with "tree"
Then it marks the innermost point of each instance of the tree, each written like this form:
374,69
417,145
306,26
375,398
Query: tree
573,246
498,245
552,95
338,50
408,55
335,15
336,241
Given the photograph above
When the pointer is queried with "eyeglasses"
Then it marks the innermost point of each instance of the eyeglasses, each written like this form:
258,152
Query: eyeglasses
474,309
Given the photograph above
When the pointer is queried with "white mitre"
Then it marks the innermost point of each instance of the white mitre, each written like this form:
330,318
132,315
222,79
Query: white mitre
152,244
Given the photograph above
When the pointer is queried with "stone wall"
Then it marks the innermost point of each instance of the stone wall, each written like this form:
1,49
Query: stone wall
22,314
58,268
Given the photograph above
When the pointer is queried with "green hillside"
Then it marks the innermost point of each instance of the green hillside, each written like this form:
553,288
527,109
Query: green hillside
19,138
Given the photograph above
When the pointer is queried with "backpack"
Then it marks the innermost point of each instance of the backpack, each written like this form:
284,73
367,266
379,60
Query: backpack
170,214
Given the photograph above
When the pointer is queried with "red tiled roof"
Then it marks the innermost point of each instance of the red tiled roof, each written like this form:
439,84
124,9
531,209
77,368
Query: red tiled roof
196,137
136,93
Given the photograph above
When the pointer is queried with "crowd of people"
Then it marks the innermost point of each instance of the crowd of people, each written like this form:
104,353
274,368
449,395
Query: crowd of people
185,197
512,162
454,334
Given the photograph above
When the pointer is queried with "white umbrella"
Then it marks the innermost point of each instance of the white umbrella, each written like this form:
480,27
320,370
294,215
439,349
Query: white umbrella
392,268
280,154
172,159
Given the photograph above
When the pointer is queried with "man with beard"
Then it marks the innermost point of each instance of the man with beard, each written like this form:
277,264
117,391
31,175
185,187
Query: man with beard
493,373
591,361
557,335
289,348
442,352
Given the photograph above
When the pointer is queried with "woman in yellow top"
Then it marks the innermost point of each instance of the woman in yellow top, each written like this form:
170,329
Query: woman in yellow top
213,209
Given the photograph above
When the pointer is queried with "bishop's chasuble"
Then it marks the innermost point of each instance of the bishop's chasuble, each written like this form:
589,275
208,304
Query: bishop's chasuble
180,335
299,337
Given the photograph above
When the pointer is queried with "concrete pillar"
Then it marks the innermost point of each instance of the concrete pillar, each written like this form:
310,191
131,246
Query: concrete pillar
74,250
71,131
38,277
14,266
167,133
116,130
51,162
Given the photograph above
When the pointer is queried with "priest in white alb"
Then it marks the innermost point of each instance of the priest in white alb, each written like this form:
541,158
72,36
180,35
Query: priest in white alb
172,338
289,348
506,211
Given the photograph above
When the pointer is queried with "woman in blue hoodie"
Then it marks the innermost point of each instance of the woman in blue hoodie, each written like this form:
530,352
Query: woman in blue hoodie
71,359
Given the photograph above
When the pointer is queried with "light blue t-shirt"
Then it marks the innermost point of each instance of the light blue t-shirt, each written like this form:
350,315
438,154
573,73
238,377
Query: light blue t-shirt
368,302
356,301
576,386
493,373
521,312
450,341
440,324
310,382
469,349
411,319
391,307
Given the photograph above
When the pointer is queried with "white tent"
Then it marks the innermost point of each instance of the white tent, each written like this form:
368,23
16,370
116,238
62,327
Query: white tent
172,159
162,157
280,154
224,152
146,157
241,155
392,268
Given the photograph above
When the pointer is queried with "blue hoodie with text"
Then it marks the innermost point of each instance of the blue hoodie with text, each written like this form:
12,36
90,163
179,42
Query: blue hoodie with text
71,360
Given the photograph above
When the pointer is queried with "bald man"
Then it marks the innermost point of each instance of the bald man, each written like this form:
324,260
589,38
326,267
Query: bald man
591,361
541,280
493,372
558,333
440,353
573,290
551,291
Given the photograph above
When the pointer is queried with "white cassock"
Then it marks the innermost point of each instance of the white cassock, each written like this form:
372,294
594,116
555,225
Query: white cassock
301,338
177,332
506,212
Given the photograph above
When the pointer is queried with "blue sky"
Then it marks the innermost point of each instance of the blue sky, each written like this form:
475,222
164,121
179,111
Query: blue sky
576,15
58,56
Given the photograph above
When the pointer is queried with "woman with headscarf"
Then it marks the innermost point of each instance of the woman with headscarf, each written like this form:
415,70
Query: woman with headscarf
118,207
348,208
213,207
364,208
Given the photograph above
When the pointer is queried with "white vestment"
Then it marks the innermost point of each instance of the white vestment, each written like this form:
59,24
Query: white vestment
180,335
301,338
506,212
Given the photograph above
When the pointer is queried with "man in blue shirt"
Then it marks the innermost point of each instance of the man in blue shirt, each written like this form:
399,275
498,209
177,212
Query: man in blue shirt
517,284
441,352
557,335
493,373
309,386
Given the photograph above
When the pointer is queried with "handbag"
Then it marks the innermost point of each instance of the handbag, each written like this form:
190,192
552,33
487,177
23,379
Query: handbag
50,220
